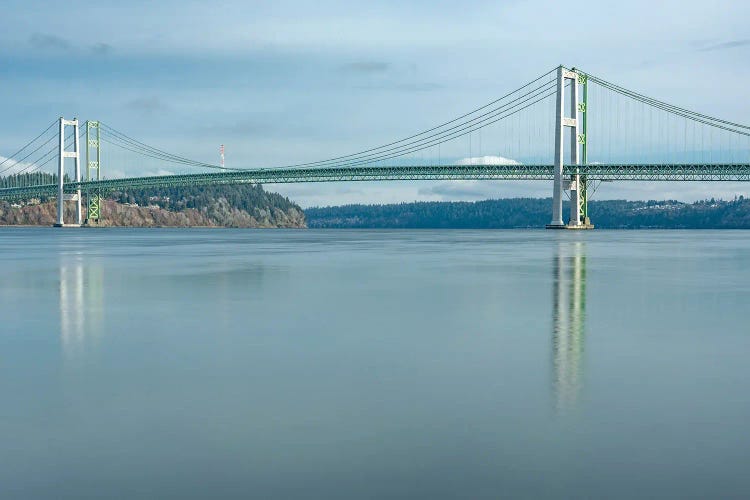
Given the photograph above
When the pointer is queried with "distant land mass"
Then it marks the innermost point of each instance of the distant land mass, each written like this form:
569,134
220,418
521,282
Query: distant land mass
534,213
240,205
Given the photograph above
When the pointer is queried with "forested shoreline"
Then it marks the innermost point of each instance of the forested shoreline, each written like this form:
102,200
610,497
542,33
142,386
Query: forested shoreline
534,213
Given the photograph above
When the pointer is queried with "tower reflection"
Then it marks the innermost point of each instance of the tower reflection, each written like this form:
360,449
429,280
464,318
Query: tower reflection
569,323
80,303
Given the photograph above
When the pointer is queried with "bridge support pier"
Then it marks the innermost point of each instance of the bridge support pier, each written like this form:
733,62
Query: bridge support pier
62,155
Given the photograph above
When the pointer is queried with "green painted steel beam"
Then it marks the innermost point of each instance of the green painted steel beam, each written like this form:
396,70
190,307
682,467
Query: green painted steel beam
93,169
583,183
602,172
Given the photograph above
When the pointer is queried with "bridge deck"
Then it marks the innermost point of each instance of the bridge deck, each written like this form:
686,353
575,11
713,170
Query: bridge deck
604,172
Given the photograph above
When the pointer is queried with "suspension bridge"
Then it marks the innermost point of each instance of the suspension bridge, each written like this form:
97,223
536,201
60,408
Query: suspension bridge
566,126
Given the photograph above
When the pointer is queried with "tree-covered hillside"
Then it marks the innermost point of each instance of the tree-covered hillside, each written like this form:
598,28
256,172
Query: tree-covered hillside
241,196
533,213
239,205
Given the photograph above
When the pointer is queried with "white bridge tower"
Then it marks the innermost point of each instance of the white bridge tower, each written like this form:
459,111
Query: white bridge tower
62,155
568,117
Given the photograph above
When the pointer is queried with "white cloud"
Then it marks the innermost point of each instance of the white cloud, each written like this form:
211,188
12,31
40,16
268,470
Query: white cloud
9,166
160,171
487,160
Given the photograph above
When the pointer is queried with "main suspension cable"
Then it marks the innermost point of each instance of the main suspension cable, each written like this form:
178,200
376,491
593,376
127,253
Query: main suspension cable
28,144
425,131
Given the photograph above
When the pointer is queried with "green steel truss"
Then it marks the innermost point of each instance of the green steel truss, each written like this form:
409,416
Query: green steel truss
93,170
594,172
583,184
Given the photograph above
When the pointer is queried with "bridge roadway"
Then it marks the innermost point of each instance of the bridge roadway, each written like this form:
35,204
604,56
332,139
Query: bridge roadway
603,172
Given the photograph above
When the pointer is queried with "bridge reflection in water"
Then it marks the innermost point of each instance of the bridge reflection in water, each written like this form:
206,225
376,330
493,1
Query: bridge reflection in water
81,303
569,323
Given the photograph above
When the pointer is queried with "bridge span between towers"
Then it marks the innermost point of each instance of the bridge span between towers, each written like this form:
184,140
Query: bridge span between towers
598,172
566,126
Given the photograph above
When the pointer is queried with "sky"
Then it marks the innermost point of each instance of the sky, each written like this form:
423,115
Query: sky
282,82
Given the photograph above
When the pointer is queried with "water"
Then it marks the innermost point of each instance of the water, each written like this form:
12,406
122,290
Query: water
374,364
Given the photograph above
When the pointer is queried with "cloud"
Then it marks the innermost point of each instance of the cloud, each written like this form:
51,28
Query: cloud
266,125
160,172
101,49
418,87
146,105
402,87
255,126
726,45
366,67
9,166
43,41
487,160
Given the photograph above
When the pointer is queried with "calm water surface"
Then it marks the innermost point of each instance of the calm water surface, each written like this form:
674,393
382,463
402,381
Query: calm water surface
374,364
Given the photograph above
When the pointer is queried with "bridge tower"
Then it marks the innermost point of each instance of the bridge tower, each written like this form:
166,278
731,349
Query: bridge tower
62,155
93,171
568,118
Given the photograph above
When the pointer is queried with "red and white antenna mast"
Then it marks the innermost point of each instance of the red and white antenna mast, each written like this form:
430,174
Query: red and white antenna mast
221,153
